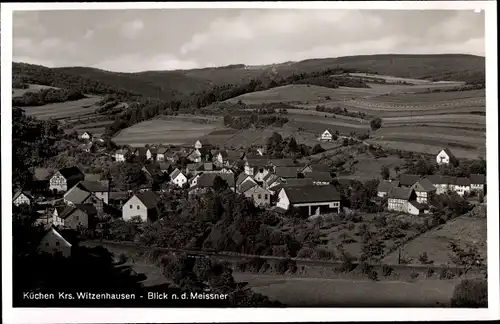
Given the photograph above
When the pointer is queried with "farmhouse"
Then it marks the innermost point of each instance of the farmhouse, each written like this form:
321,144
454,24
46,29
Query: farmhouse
319,178
242,179
75,217
54,243
65,178
327,135
142,205
259,195
446,157
22,198
121,155
160,154
203,182
441,183
462,186
424,189
399,198
178,178
87,136
310,200
408,180
477,182
385,186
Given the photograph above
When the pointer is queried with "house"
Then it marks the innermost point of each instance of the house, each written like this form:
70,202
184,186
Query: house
286,172
87,147
150,153
22,198
118,198
292,182
260,174
327,135
250,165
399,197
282,163
446,157
178,178
91,177
65,178
319,178
259,195
87,136
151,170
121,155
170,156
462,186
424,189
41,179
204,182
269,180
166,167
197,168
408,180
310,200
315,168
385,186
142,205
416,208
477,182
225,157
242,179
54,243
201,143
75,217
441,183
100,189
194,156
160,154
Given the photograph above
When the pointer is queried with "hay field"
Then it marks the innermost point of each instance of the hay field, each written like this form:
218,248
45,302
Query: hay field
63,110
303,292
31,88
463,230
172,131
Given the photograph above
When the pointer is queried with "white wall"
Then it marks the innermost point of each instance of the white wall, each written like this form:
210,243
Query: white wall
283,201
442,158
134,207
53,242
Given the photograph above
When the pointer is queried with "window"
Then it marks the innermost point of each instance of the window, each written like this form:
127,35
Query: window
77,217
131,207
265,196
138,207
46,244
259,196
57,243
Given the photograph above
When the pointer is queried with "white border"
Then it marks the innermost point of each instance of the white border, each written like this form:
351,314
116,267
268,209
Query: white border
76,315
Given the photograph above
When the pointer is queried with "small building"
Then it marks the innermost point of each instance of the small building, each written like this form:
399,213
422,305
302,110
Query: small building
477,182
259,195
118,198
151,153
100,189
445,156
160,154
194,156
87,147
385,186
408,180
202,143
319,178
65,178
22,198
326,136
253,164
283,163
142,205
310,200
242,179
416,208
424,189
121,155
178,178
317,167
203,182
54,243
75,217
166,167
462,186
286,172
441,183
399,197
87,136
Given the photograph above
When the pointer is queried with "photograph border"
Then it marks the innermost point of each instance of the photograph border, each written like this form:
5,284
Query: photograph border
167,315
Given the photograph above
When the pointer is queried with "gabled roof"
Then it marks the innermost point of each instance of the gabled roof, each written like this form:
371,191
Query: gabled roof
50,228
318,176
245,186
88,209
41,174
477,179
386,186
65,211
400,193
92,177
152,150
242,177
311,194
119,195
71,172
165,165
450,154
121,151
440,180
298,182
87,132
76,195
258,162
419,206
462,181
425,184
152,168
175,173
162,150
286,172
408,180
94,186
141,151
283,162
320,167
19,192
148,198
193,166
207,179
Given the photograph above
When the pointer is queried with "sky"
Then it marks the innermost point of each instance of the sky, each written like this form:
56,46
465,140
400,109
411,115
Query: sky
170,39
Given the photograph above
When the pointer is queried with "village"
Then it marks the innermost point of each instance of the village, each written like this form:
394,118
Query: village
69,199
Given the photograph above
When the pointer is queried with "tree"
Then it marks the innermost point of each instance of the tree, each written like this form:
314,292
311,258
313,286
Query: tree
470,293
385,172
424,259
219,184
376,123
317,149
468,259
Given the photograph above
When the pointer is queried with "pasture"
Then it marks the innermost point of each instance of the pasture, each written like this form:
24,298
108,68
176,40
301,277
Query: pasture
463,230
63,110
170,131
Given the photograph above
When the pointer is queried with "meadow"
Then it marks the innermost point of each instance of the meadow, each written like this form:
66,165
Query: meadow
64,110
31,88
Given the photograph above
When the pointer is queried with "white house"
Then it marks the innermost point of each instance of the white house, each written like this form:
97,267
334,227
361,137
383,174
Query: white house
22,198
416,208
150,153
260,174
424,189
54,243
178,178
398,199
385,186
326,135
441,183
310,200
445,157
160,154
121,155
142,205
462,186
477,182
86,136
65,178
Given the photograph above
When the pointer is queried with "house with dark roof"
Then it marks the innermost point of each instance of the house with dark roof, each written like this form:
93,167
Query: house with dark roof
160,154
87,136
92,177
52,242
121,154
282,163
201,143
292,182
286,172
194,156
151,153
242,179
425,190
259,195
75,217
177,178
477,182
399,197
203,182
151,170
416,208
139,151
99,189
226,157
462,185
385,186
408,180
310,200
316,167
319,178
252,165
65,178
22,197
166,167
441,183
143,206
445,156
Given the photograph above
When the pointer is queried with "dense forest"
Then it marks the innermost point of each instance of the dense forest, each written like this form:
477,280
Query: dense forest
46,96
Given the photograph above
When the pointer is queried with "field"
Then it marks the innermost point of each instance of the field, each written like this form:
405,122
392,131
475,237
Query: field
64,110
174,131
463,229
31,88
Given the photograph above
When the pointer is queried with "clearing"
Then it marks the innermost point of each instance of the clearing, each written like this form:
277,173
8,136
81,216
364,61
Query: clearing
31,88
463,230
63,110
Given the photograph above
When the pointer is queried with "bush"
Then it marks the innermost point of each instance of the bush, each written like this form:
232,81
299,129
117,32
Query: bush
376,123
306,253
365,267
387,270
445,274
373,275
429,273
470,293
